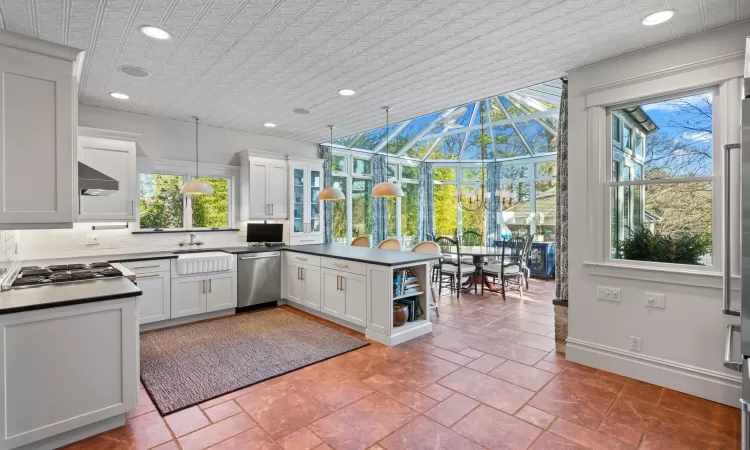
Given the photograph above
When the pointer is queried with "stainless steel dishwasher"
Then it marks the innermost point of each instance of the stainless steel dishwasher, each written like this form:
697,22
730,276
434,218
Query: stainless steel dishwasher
258,279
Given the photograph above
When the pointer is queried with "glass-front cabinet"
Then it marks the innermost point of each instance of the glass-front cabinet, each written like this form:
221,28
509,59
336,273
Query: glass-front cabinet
306,180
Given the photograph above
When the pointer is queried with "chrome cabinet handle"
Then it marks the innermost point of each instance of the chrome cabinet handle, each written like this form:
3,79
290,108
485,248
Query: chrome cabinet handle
726,276
302,273
209,285
148,276
146,267
340,265
132,207
338,283
203,286
728,363
342,283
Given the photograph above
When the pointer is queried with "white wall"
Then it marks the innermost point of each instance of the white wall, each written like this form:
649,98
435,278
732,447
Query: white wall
174,139
683,345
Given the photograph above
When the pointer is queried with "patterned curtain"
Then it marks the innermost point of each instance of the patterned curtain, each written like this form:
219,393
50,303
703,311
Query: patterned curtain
561,215
494,221
426,217
379,212
325,153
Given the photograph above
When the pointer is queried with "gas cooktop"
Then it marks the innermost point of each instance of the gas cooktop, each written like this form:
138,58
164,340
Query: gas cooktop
34,276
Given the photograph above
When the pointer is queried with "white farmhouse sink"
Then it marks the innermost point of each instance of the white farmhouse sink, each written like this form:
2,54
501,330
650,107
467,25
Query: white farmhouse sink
190,263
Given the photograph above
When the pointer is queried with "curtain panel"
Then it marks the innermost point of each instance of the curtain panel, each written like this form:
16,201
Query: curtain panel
426,215
379,211
326,154
494,220
561,214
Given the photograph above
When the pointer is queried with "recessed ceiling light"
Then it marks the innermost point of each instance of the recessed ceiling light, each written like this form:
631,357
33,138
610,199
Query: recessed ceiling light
134,71
155,32
119,95
301,111
347,92
269,125
658,17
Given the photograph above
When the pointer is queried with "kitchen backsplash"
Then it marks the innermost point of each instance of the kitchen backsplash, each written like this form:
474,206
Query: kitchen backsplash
8,241
71,243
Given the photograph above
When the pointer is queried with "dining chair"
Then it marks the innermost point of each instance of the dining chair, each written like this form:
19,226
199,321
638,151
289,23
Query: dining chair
525,259
470,239
362,241
390,244
431,248
450,268
508,267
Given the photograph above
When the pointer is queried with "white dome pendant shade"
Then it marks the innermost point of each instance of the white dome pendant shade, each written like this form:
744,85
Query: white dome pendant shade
387,189
332,193
196,187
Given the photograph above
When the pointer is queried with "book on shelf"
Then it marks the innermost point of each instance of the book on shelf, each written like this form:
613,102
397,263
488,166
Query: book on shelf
415,307
405,283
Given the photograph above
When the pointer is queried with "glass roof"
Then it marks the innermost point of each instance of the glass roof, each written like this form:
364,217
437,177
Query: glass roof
519,124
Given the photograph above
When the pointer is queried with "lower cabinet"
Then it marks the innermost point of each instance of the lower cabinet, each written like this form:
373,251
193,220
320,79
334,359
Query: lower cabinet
303,284
203,293
344,296
67,367
154,303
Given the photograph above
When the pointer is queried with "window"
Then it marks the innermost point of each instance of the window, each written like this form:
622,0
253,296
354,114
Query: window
409,213
362,167
361,208
661,196
616,128
162,205
339,163
339,213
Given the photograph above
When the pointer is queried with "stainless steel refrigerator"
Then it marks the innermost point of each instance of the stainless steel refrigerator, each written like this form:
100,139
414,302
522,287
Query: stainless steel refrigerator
744,313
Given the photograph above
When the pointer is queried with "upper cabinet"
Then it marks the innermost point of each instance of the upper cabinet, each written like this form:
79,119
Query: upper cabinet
38,118
263,190
112,153
305,184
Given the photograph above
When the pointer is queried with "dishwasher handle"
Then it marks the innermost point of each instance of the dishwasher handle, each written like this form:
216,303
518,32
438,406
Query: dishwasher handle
260,256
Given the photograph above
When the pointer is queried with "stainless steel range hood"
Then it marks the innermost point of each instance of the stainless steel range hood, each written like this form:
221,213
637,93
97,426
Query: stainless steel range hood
92,182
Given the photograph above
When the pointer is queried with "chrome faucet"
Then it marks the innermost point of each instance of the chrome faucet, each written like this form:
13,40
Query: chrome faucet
192,241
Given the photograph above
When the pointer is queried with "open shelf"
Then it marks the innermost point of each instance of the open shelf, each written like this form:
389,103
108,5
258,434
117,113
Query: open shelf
414,294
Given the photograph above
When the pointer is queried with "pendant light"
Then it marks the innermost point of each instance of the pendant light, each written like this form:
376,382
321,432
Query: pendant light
195,186
387,189
331,193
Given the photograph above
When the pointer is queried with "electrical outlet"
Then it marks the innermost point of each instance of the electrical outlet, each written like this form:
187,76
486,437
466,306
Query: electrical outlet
608,294
654,300
635,344
92,239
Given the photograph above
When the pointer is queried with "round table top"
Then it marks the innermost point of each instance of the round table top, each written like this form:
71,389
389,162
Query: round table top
476,250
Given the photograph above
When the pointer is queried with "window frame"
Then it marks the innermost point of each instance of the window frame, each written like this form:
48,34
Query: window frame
187,171
719,102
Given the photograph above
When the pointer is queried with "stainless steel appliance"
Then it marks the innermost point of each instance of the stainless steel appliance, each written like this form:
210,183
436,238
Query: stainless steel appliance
38,276
258,279
744,313
93,182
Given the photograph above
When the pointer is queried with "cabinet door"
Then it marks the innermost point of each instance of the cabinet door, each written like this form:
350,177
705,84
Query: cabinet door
311,276
314,205
355,292
188,296
294,284
298,185
258,186
221,292
38,111
277,189
154,304
116,159
333,301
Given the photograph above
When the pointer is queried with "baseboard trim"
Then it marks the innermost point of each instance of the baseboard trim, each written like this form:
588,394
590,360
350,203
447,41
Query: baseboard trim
186,319
709,384
78,434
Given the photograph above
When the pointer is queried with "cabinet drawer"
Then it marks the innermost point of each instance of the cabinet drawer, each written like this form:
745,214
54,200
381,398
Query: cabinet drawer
344,265
306,239
138,267
301,258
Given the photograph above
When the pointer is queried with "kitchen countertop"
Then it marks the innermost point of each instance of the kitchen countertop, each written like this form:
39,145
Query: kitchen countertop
364,254
64,294
140,257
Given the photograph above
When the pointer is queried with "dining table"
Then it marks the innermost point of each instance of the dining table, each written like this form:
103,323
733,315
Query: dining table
479,255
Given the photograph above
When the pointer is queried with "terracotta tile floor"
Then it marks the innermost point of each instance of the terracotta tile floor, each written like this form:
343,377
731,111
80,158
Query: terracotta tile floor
486,377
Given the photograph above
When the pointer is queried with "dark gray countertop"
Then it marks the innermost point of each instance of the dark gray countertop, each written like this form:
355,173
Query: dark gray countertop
247,249
29,299
140,257
363,254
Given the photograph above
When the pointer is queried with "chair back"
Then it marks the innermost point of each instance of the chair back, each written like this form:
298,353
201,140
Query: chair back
471,238
362,241
527,249
390,244
426,247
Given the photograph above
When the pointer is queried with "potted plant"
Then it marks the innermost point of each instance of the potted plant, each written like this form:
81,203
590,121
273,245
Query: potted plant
540,233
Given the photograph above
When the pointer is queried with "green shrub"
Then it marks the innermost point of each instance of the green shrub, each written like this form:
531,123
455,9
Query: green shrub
644,245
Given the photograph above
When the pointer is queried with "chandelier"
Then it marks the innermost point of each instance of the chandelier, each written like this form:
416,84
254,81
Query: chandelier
481,198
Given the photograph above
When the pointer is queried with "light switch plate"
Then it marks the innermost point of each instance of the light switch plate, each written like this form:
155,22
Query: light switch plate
92,239
654,300
608,294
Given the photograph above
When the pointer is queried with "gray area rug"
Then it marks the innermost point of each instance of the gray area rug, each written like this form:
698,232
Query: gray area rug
187,365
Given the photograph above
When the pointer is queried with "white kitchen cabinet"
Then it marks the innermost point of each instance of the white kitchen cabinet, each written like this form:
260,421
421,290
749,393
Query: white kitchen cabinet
355,294
189,296
155,302
305,184
38,118
263,190
65,368
311,280
333,299
114,154
294,283
221,292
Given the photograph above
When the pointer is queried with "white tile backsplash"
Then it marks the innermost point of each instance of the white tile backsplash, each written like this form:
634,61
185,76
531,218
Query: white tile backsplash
8,239
71,243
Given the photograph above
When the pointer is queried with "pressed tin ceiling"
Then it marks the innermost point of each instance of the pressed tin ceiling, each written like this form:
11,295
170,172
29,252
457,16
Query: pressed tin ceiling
239,63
